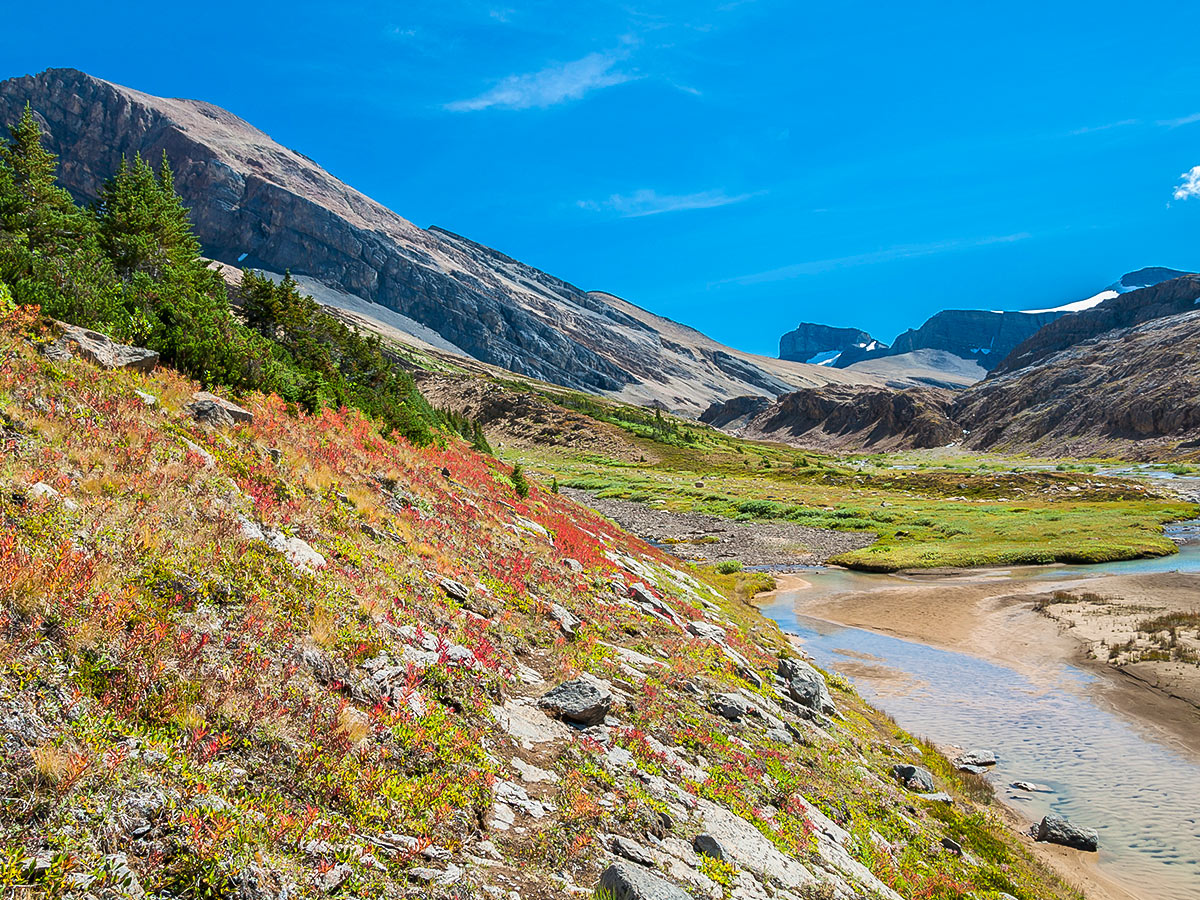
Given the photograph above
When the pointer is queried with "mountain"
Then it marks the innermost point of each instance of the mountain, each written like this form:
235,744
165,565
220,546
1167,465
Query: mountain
982,336
1119,377
258,204
822,344
1118,310
1131,392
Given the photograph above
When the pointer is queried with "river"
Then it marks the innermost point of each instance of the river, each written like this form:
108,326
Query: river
1052,728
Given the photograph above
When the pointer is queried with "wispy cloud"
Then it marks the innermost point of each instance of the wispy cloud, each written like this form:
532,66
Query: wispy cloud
1185,120
550,86
1091,129
906,251
651,203
1190,186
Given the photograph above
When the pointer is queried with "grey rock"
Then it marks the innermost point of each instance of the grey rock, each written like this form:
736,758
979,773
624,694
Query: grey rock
623,881
974,770
332,879
976,758
953,846
706,631
914,777
99,349
1032,787
1054,829
938,797
577,701
454,589
707,845
209,409
805,685
733,707
567,620
631,850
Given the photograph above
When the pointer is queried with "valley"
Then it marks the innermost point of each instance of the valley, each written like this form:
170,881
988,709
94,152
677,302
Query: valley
343,557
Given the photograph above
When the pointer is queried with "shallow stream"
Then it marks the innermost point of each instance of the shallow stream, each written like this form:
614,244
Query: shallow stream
1100,768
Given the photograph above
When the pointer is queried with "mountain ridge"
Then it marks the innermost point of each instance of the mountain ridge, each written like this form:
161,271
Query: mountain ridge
258,204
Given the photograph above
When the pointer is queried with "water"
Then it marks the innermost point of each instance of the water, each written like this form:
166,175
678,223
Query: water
1143,797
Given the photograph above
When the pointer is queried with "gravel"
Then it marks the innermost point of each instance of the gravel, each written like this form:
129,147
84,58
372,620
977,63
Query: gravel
703,538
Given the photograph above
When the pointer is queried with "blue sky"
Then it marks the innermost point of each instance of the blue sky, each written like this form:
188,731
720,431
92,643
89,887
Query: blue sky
739,166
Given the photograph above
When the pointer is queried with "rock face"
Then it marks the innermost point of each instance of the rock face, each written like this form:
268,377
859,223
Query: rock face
823,345
1057,830
256,203
974,333
843,417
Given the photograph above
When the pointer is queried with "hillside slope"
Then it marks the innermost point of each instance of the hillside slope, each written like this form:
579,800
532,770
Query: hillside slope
1132,392
258,204
283,657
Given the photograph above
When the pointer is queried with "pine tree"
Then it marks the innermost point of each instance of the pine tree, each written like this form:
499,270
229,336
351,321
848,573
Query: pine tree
519,482
49,254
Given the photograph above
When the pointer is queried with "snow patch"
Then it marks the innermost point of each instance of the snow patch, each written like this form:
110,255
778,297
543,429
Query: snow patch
825,358
1078,305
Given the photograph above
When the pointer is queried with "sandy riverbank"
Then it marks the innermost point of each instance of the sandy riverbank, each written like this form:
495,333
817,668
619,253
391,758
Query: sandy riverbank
983,614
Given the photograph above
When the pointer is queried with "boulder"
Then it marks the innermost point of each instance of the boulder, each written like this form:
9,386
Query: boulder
706,845
706,631
914,777
976,759
577,701
631,850
99,349
209,409
732,706
626,881
1054,829
805,685
454,589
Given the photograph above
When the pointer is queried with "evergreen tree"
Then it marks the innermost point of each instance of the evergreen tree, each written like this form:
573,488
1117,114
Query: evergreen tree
49,254
519,482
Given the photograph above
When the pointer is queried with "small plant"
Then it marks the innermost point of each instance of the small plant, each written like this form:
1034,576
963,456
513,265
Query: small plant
519,482
729,566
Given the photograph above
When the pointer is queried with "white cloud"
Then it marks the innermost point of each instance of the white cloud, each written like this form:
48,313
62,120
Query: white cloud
1185,120
550,86
906,251
1190,186
651,203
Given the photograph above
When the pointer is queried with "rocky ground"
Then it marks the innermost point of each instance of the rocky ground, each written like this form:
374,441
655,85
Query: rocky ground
249,653
704,538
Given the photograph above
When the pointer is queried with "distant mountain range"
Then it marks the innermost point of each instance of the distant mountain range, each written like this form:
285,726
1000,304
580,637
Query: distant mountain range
1116,374
984,336
258,204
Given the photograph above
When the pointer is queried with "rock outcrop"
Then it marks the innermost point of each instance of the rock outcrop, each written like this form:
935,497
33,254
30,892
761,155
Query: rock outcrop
823,344
98,349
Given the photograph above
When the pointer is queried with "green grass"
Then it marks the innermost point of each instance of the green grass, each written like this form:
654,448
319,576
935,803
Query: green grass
928,508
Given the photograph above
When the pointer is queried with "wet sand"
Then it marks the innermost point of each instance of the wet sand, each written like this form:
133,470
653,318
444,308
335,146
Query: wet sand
989,616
